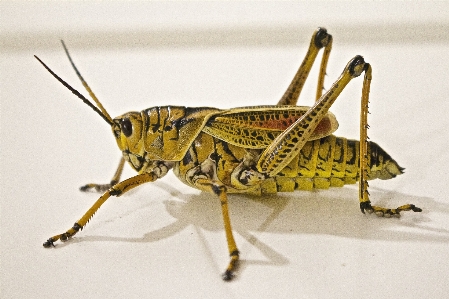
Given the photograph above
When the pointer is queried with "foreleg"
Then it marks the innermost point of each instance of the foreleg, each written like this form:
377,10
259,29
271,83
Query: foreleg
103,187
116,190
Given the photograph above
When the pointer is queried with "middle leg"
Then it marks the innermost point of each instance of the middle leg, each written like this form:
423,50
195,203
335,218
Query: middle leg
220,190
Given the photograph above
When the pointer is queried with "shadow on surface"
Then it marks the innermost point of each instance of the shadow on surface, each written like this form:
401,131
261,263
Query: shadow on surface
331,212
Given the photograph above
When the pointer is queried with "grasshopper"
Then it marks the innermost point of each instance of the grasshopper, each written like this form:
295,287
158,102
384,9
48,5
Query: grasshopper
256,150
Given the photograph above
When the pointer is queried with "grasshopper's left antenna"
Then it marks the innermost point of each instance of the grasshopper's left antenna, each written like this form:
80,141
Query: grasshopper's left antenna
106,117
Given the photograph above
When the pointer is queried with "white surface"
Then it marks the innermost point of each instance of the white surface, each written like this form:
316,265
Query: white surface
166,240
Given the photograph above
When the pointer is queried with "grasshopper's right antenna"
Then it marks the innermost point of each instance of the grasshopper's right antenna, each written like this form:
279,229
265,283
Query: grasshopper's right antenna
106,117
86,86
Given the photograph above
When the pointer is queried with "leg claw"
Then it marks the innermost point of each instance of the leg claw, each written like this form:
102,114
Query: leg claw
227,276
49,243
387,213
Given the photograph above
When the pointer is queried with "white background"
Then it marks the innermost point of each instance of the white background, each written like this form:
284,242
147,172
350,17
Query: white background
166,240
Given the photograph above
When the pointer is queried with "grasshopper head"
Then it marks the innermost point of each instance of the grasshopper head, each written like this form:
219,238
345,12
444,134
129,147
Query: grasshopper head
127,130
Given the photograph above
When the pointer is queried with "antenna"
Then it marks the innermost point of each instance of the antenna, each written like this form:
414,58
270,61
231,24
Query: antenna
107,118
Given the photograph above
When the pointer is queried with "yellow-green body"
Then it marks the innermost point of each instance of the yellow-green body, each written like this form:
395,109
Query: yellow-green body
225,146
327,162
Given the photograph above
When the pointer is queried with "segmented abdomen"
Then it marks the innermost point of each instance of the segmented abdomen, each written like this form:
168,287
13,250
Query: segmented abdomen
327,162
331,162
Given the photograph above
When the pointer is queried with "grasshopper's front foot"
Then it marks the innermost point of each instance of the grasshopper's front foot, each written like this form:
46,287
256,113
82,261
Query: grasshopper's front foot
49,243
100,188
62,237
387,213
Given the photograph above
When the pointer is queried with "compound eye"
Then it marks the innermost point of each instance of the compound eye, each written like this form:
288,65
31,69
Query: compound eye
126,126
